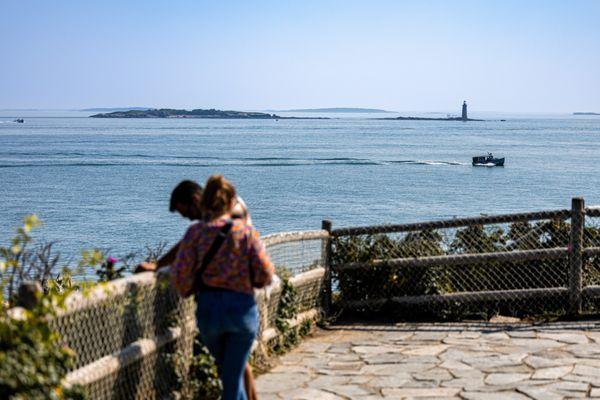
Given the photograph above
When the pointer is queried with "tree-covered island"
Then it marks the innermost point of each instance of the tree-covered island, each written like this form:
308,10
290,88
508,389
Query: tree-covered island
197,113
174,113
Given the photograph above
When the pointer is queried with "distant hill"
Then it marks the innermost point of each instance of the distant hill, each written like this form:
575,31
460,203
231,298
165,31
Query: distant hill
338,110
111,109
585,113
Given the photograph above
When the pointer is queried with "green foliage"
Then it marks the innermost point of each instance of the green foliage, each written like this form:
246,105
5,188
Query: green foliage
381,279
197,378
108,271
33,360
287,310
11,260
205,377
287,307
198,113
475,239
305,327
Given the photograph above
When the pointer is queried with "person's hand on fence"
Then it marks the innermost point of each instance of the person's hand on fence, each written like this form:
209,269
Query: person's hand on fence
145,267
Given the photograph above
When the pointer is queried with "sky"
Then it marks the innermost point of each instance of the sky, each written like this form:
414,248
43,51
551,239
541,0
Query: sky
517,56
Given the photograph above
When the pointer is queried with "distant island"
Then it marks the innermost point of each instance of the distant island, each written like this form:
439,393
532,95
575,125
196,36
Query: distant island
430,119
197,113
337,110
585,113
110,109
463,117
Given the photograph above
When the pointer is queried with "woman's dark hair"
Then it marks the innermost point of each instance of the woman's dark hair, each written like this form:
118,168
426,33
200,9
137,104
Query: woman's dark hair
184,194
218,196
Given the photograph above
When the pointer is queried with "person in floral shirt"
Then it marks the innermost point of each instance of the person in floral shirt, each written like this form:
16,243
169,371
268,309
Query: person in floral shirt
226,313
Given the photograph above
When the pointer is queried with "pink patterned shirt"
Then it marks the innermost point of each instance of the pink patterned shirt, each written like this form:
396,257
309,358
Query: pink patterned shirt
229,269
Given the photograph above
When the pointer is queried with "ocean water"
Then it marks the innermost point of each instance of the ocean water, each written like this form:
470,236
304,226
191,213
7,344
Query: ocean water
105,183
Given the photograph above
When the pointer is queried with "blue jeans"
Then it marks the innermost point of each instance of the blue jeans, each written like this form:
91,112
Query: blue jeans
228,322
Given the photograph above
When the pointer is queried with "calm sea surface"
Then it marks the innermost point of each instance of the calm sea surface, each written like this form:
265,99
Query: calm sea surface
106,182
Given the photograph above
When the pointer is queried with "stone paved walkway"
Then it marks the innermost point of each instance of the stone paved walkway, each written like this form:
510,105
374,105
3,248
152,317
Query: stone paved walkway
441,361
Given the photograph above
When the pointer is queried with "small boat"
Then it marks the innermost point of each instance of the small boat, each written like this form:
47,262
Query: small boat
488,161
19,120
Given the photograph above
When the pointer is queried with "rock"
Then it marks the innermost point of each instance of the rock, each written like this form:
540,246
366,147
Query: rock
506,395
309,394
420,392
552,373
505,379
274,383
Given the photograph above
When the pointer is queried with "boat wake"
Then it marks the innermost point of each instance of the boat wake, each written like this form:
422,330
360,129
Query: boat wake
426,162
63,159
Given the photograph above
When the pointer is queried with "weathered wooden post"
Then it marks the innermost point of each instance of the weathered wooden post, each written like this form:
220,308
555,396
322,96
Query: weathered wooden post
327,226
29,294
575,255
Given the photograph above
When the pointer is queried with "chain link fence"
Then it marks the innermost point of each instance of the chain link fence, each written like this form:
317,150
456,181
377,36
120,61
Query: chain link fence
591,261
134,336
518,265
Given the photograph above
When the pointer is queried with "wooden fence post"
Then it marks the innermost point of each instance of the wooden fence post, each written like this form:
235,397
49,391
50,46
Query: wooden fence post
29,294
327,226
575,255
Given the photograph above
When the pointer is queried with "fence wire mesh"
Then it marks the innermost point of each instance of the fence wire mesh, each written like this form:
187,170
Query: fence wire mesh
591,262
297,252
514,265
134,337
150,377
122,333
143,308
293,254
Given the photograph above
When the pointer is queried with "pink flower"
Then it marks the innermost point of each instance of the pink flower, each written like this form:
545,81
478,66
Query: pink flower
112,260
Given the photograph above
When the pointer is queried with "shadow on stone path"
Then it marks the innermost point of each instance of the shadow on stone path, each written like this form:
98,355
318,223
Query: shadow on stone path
441,361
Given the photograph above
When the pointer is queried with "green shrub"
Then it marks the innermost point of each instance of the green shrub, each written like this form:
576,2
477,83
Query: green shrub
196,378
287,309
33,360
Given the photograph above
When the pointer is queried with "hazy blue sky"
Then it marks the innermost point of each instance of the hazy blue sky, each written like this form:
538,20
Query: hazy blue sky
402,55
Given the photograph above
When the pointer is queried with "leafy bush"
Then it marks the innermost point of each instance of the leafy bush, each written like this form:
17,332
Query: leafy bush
287,309
197,378
381,279
33,360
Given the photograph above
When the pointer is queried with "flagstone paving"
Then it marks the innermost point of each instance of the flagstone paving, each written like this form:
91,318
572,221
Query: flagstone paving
475,361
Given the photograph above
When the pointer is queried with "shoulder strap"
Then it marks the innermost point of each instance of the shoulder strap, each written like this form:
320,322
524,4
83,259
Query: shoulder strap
216,244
